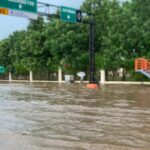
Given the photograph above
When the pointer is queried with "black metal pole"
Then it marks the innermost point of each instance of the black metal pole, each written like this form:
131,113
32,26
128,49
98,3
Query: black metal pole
92,50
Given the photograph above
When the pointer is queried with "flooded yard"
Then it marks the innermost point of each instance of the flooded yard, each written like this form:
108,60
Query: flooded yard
48,116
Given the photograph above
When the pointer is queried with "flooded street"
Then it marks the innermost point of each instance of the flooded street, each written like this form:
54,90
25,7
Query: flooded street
47,116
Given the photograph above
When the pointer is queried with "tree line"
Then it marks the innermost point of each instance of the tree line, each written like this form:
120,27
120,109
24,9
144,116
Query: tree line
122,34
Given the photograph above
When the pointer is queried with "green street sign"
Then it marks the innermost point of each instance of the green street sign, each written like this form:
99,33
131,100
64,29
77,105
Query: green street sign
70,14
20,5
21,8
2,69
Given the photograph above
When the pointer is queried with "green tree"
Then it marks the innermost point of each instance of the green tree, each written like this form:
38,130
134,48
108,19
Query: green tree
67,44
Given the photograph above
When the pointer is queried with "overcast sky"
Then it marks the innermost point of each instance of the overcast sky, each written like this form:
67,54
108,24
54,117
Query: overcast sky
10,24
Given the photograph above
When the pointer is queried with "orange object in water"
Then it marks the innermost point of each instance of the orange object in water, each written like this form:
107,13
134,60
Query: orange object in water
92,86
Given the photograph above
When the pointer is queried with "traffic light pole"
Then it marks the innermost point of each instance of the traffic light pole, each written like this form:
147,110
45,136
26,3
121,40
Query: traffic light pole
92,51
92,82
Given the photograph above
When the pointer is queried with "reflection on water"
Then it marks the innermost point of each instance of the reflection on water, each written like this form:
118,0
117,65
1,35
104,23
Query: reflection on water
50,116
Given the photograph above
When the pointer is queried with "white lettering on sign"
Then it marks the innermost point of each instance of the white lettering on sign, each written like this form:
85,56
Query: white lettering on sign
68,11
25,2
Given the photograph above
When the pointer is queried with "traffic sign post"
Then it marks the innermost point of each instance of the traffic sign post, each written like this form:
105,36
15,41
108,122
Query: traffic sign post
72,15
21,8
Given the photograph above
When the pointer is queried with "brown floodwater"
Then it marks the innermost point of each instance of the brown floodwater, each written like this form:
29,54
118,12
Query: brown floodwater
48,116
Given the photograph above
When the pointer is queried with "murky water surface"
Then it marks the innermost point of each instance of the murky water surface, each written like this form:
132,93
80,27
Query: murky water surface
48,116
